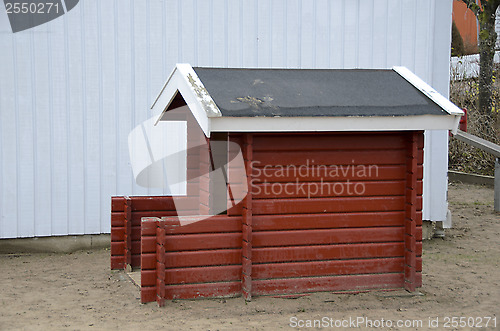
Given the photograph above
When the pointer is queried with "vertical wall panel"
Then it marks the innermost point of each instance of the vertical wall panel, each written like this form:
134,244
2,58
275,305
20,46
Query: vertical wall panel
336,42
234,39
307,34
277,21
124,37
42,131
436,142
58,100
408,16
365,34
73,89
73,45
9,137
140,69
26,120
92,109
203,56
109,111
379,33
322,35
219,33
394,26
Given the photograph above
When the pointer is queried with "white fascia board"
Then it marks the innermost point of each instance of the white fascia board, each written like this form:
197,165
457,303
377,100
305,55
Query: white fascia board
431,93
325,124
184,80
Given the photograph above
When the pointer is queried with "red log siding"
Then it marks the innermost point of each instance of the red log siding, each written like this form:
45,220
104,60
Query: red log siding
336,239
118,244
200,259
123,245
291,241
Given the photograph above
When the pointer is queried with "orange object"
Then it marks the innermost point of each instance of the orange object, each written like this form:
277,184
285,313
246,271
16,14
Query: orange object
467,25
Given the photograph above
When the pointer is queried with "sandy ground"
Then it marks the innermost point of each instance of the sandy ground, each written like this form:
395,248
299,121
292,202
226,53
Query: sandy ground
78,291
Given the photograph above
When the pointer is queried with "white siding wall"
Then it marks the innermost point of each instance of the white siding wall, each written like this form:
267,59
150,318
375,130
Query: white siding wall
71,90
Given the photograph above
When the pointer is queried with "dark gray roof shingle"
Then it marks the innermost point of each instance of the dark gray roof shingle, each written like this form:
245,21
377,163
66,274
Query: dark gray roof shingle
314,92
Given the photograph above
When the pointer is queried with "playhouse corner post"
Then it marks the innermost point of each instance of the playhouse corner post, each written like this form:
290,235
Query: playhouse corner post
246,258
118,243
128,231
149,260
160,262
410,277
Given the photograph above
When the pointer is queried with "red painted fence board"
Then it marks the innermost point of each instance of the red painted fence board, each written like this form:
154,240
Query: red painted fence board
336,283
327,236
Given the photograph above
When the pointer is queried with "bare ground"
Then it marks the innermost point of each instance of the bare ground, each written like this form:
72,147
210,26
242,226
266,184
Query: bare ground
76,291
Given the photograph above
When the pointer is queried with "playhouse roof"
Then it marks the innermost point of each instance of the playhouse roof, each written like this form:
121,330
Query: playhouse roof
253,100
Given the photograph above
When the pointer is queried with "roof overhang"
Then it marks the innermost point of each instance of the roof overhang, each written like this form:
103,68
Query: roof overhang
184,80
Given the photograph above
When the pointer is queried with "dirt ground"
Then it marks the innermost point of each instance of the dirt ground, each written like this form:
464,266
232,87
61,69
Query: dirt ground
461,278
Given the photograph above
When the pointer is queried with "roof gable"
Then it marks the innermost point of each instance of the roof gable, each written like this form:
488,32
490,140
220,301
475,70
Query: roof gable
223,99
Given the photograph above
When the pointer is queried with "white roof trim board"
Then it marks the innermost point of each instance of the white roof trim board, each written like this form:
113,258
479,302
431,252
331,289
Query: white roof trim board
184,80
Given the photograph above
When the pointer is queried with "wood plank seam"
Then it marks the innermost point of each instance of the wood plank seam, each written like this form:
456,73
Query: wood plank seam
128,230
160,266
410,278
246,259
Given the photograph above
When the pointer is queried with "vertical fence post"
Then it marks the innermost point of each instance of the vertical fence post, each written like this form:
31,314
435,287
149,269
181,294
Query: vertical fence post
497,185
128,231
160,262
149,260
411,213
246,258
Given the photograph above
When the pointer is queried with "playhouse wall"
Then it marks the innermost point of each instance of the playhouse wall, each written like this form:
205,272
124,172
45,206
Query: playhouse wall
330,240
71,90
300,240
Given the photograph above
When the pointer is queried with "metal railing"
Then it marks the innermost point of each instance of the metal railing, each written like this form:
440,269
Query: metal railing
488,147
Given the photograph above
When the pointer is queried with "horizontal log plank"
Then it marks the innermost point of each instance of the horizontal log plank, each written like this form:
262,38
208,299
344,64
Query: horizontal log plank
202,258
336,283
328,189
118,234
327,236
191,242
327,252
327,221
365,157
317,173
117,219
218,223
327,205
191,291
326,268
117,204
203,274
148,294
328,142
117,262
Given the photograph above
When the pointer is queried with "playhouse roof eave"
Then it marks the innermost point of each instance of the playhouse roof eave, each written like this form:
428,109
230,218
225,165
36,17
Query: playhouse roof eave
341,124
184,80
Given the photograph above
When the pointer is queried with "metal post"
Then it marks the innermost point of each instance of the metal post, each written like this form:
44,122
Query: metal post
497,185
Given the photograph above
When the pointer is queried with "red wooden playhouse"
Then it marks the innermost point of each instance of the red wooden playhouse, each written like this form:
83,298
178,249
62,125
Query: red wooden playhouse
318,188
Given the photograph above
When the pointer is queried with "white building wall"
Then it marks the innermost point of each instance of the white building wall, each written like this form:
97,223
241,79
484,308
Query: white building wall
72,90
